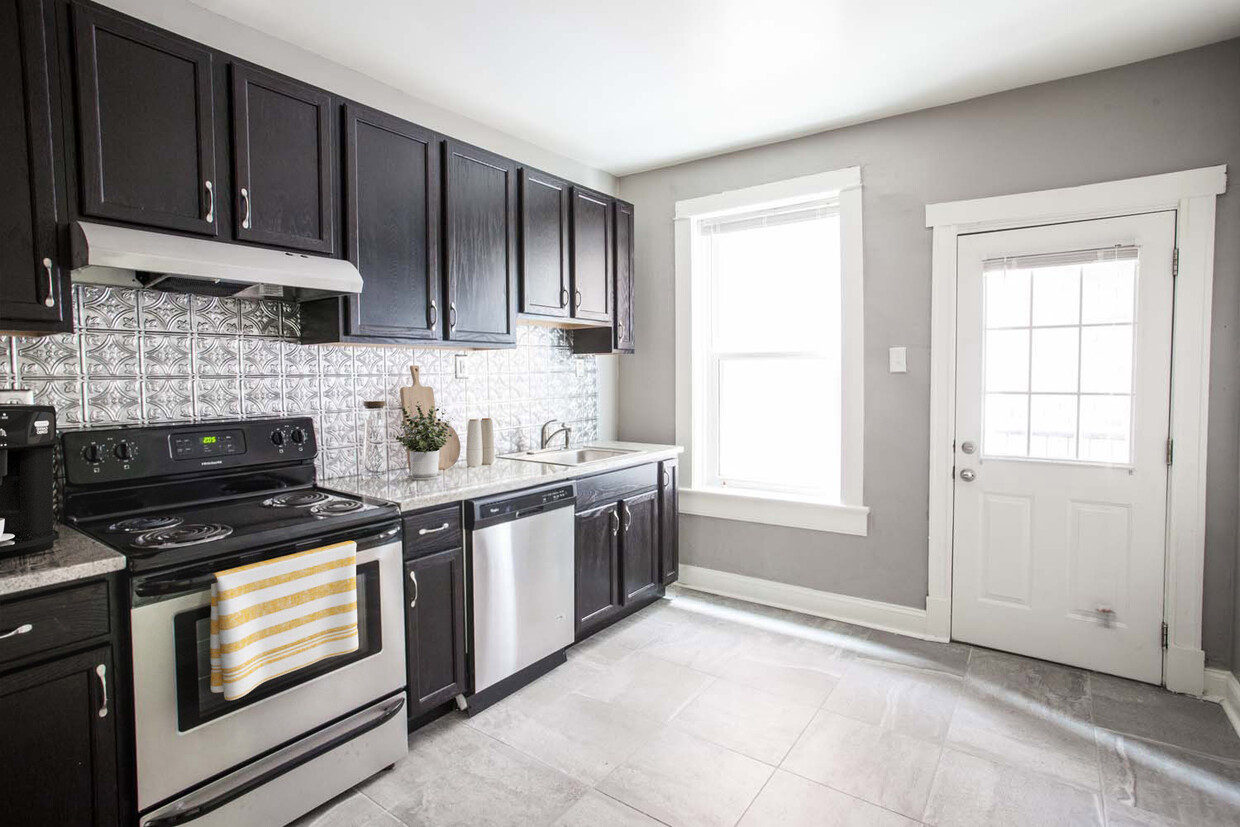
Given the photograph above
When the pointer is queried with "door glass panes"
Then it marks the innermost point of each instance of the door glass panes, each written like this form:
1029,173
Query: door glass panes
1060,332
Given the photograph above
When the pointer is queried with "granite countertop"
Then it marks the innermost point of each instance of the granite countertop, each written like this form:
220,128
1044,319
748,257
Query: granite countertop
73,556
462,483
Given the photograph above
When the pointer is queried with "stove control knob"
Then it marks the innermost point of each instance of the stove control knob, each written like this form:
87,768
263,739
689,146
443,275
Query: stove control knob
277,438
124,451
93,453
299,436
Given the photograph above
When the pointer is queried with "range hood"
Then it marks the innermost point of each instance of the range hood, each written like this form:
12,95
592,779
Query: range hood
119,255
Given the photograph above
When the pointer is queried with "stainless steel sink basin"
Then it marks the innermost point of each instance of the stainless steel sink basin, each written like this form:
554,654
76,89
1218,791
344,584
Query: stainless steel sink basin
571,456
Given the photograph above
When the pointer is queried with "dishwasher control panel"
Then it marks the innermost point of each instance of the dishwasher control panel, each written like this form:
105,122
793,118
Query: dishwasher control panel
513,506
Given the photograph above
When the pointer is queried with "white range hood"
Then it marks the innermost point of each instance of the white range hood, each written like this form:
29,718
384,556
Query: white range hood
106,254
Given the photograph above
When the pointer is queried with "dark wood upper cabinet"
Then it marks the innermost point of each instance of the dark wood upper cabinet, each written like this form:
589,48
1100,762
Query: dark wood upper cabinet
544,244
435,629
146,133
669,521
392,226
619,337
597,549
34,290
624,276
480,239
639,543
283,191
592,256
59,761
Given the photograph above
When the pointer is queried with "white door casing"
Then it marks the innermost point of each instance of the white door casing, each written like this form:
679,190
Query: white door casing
1062,396
1192,194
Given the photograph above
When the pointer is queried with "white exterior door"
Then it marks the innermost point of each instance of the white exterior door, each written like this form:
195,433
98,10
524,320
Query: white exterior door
1063,379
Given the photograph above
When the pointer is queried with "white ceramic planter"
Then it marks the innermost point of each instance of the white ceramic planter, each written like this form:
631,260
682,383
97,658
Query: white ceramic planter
423,464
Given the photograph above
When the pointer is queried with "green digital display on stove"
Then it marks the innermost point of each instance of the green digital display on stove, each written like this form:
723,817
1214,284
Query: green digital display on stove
209,440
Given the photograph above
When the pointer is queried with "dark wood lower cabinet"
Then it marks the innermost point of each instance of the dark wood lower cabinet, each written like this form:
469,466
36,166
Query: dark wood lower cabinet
598,568
58,728
639,544
669,521
435,629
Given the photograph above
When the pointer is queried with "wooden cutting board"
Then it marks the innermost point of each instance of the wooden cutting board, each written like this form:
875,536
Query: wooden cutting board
417,395
451,450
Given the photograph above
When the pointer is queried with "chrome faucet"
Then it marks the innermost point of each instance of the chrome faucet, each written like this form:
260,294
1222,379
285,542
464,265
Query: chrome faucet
563,429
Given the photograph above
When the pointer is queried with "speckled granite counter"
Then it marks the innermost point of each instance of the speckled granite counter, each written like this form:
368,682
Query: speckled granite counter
462,483
74,557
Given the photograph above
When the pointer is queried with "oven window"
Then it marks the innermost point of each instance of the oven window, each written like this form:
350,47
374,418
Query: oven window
197,704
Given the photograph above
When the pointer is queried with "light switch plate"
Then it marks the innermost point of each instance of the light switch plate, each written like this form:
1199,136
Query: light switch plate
897,360
462,365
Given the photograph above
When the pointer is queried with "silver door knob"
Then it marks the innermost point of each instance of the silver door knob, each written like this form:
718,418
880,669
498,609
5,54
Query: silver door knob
968,475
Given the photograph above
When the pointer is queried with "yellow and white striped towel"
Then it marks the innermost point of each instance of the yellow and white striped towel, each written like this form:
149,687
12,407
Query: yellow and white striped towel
277,616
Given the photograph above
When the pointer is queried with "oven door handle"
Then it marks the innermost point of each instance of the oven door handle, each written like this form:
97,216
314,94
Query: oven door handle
159,587
192,809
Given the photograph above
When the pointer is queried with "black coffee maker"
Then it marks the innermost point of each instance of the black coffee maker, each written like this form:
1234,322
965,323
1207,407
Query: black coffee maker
27,444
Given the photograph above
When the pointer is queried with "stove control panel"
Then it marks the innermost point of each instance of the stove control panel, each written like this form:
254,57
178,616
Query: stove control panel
135,453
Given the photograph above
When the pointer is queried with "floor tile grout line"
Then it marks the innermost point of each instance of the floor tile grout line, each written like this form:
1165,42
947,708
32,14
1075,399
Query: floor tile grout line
630,806
852,795
1232,762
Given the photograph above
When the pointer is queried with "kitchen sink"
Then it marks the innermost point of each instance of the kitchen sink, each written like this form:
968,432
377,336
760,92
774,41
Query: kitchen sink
570,456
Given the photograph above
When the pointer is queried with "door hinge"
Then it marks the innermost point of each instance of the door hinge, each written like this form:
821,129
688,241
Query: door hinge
1164,634
1170,450
1175,262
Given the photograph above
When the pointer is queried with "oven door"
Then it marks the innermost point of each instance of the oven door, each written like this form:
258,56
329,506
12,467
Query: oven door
186,734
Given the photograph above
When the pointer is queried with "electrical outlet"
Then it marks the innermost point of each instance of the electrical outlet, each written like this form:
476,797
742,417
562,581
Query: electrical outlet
579,367
897,360
462,366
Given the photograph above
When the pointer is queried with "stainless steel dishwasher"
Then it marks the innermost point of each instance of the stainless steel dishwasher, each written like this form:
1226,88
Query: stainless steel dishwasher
521,596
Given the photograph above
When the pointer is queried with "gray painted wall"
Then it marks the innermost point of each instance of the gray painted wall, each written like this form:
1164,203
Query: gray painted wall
1163,115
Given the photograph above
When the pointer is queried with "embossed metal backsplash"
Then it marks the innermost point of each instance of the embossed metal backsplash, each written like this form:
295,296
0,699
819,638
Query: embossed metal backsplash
144,356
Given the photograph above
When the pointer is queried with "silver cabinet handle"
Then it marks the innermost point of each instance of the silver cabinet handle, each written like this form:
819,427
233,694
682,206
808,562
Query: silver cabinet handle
563,297
628,519
968,475
210,202
422,531
24,629
245,208
616,528
102,672
452,315
413,575
577,298
667,478
50,299
434,314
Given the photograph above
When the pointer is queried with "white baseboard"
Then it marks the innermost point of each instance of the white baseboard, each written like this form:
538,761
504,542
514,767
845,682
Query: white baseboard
889,617
1223,687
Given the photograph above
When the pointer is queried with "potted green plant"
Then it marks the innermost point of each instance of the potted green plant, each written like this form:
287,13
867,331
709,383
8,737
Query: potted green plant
423,435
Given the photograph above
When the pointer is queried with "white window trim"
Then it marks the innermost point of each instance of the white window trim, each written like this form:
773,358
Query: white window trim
850,516
1192,195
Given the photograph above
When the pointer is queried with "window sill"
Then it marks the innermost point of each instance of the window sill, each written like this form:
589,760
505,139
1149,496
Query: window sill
775,509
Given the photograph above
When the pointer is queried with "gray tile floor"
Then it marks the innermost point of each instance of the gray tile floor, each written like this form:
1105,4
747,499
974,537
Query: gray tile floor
704,711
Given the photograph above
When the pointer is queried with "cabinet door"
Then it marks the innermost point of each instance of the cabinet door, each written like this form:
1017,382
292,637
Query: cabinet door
639,543
392,225
598,567
624,276
591,256
59,761
669,522
146,129
544,244
282,162
35,285
480,227
435,630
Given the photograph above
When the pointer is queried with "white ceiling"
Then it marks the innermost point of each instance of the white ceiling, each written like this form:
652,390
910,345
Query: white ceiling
636,84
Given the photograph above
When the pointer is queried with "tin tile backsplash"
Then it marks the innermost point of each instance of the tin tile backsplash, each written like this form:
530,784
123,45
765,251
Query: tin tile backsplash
143,356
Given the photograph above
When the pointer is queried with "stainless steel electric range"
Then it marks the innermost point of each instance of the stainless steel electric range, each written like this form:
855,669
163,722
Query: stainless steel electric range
182,502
